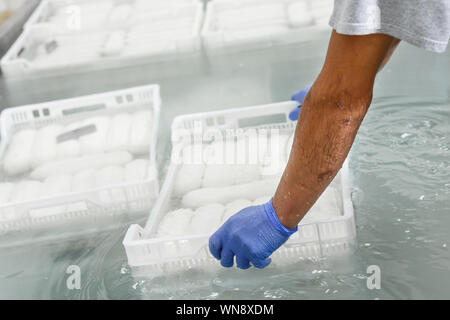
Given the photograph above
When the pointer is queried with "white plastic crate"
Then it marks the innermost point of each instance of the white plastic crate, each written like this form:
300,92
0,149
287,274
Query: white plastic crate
314,238
78,15
46,49
85,210
236,25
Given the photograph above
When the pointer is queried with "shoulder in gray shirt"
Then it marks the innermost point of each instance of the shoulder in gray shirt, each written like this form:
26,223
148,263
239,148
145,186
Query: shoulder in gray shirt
423,23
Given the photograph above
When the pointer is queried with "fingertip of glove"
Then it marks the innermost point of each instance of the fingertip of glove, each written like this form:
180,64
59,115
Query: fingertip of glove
299,96
226,264
243,267
293,115
262,263
214,247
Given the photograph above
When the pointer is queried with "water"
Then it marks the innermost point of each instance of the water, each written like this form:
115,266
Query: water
400,166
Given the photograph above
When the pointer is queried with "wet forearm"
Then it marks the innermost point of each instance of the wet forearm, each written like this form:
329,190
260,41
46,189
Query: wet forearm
329,120
323,138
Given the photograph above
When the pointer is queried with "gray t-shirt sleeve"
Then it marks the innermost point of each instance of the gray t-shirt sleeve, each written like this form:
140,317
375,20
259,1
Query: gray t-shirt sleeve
423,23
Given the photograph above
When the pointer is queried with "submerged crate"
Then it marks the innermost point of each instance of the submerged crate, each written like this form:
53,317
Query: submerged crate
161,35
316,237
77,176
235,25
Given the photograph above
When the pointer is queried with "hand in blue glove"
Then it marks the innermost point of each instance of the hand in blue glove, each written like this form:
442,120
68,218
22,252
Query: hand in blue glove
251,235
298,96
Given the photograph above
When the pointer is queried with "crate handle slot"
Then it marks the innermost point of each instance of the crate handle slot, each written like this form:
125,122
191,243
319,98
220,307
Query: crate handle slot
79,207
21,51
88,108
262,120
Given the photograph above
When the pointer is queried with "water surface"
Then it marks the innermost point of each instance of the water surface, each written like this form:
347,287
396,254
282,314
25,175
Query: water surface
400,166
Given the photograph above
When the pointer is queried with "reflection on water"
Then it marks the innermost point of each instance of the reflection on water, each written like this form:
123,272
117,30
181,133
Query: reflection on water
401,187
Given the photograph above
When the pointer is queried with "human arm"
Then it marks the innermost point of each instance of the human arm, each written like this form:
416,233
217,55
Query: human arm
330,117
301,95
329,120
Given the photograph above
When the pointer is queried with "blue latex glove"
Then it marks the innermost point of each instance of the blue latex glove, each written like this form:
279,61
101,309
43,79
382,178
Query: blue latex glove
298,96
251,235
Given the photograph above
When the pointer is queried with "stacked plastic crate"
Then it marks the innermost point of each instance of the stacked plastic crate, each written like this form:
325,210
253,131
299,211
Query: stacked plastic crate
72,36
83,35
85,163
241,24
